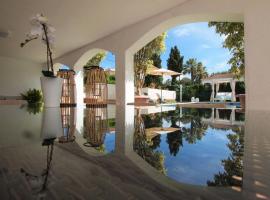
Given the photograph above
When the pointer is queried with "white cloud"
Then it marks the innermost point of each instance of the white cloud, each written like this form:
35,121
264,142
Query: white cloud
202,32
181,32
205,46
219,67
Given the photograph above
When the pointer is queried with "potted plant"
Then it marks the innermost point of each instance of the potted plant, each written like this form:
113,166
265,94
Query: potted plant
50,84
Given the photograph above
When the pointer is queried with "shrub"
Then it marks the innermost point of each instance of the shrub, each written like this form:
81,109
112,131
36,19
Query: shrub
32,96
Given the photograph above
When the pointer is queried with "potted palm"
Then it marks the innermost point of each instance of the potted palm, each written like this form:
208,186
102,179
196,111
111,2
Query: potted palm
50,84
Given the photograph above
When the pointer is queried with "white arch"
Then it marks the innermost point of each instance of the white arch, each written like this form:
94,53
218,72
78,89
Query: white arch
167,24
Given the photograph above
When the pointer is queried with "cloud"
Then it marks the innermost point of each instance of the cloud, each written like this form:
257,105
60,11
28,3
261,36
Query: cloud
200,31
181,32
205,46
219,67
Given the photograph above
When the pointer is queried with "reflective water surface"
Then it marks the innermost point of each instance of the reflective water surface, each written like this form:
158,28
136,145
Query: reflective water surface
195,146
68,153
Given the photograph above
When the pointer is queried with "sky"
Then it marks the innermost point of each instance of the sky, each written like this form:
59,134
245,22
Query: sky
195,40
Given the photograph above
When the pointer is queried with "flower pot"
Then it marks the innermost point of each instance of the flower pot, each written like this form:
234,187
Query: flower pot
52,91
242,99
51,123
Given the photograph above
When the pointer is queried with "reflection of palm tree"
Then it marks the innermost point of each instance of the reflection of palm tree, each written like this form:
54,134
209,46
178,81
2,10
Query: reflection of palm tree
196,131
233,165
39,182
174,139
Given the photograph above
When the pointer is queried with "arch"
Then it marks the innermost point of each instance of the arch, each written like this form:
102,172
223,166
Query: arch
168,23
58,66
83,59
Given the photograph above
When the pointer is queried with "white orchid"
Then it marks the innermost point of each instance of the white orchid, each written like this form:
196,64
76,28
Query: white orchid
41,28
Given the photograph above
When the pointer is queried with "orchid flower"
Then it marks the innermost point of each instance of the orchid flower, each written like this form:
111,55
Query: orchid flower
41,28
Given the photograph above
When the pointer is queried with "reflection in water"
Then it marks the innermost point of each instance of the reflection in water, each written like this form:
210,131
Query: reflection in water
50,127
144,147
38,183
95,127
233,165
68,124
206,143
34,108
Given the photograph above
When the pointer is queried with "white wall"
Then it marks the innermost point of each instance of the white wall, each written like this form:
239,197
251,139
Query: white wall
155,94
257,49
17,76
111,92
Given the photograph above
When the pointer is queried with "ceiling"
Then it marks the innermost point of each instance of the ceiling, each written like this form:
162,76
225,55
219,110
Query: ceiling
77,22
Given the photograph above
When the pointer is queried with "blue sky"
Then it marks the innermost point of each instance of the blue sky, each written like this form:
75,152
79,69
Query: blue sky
195,40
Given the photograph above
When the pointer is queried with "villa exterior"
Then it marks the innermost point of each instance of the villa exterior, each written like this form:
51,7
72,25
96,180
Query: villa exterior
123,27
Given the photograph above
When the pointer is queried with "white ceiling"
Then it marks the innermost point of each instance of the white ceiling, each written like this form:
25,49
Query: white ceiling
77,22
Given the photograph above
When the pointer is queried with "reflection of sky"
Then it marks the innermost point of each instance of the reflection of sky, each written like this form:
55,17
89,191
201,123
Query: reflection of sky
197,163
110,142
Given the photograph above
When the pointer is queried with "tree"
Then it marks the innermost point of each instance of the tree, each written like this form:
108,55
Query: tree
142,59
154,80
195,69
234,41
189,68
96,60
175,62
200,72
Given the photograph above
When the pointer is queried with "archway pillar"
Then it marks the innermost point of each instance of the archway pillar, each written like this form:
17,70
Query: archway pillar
124,76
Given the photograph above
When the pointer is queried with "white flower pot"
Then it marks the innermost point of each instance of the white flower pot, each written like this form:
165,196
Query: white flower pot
51,123
52,91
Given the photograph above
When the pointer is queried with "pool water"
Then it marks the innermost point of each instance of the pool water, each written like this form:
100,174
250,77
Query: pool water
41,148
204,148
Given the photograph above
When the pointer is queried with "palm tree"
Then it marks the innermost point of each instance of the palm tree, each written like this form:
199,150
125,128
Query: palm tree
189,68
195,69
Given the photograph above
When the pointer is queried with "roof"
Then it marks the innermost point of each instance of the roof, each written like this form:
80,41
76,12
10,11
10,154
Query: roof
221,78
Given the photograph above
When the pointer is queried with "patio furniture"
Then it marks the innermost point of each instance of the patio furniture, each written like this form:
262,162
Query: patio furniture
223,96
141,100
216,80
163,72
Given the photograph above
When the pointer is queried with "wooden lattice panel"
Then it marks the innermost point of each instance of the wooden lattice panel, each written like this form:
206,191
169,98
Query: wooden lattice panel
69,87
95,126
96,90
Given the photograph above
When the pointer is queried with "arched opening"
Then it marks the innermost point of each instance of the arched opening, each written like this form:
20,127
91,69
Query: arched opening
169,24
172,139
94,120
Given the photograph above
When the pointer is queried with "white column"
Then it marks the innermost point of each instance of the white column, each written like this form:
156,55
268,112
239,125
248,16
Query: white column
213,91
124,95
124,129
217,87
232,83
257,48
124,75
181,93
80,95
